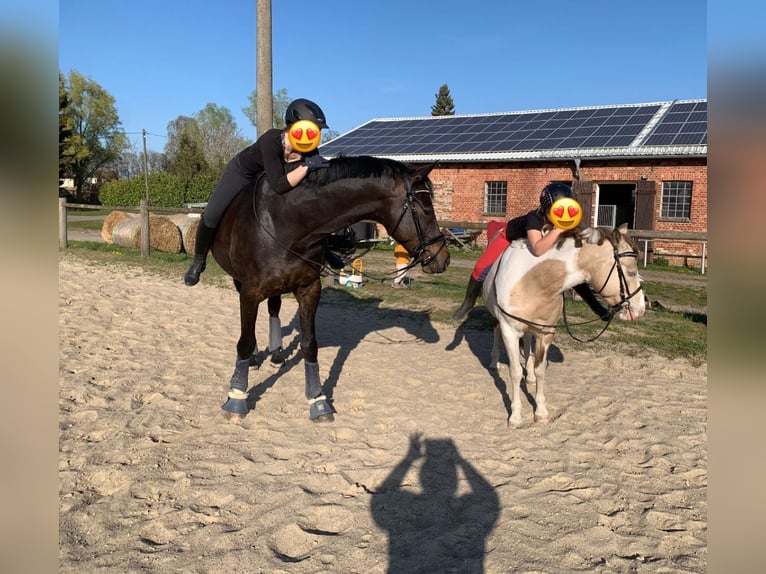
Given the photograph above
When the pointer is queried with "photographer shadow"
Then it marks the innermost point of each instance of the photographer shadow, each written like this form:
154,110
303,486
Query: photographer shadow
436,530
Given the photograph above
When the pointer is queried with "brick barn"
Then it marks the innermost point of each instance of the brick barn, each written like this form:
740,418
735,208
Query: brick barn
640,164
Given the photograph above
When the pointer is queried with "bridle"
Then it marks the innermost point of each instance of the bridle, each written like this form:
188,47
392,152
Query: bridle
422,255
625,295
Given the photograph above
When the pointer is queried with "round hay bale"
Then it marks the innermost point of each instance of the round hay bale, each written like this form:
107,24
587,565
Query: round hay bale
110,221
127,232
187,223
163,234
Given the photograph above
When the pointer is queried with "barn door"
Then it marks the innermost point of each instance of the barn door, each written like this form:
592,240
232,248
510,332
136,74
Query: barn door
644,216
583,192
645,196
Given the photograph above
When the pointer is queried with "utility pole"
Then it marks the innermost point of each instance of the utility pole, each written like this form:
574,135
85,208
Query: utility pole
145,207
264,105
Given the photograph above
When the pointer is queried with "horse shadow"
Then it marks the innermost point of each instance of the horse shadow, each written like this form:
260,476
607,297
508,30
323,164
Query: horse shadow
477,331
346,334
438,529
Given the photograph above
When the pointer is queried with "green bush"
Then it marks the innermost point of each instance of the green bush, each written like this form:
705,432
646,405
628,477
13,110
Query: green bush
165,190
660,261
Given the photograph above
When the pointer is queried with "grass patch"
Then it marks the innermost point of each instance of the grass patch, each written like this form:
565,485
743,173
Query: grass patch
94,223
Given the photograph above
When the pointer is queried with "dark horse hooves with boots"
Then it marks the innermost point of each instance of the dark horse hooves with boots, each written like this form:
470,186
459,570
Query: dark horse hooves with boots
273,244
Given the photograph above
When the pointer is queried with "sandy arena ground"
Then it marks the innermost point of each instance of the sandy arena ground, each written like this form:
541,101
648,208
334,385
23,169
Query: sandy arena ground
418,473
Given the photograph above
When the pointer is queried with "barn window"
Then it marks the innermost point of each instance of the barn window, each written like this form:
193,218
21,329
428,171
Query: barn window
495,194
676,199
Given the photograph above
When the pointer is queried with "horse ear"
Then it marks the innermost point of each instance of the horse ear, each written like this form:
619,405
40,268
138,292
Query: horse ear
623,228
422,171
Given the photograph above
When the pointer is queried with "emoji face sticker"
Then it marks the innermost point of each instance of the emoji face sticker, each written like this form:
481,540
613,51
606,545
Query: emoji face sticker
304,136
565,213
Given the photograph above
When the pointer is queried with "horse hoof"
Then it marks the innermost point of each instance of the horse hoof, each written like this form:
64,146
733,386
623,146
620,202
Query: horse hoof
277,363
277,360
233,417
542,419
328,418
235,409
324,419
321,412
254,362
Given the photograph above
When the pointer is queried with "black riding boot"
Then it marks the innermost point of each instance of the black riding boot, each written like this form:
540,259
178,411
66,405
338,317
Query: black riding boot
471,293
587,295
202,245
333,260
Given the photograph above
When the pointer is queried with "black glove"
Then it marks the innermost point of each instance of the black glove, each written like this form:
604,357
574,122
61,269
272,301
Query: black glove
315,162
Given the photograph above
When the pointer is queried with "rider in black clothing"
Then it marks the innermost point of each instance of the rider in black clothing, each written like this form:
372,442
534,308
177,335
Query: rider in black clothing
270,154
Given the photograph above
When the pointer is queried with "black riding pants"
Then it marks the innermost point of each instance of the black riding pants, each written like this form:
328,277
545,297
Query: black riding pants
233,180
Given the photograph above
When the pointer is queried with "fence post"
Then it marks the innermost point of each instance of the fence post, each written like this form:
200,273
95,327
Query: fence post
144,229
646,250
63,243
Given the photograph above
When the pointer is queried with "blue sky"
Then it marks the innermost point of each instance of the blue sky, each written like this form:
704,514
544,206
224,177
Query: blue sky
361,60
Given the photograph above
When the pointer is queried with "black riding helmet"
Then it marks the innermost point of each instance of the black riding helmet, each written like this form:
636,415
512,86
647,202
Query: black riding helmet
551,193
302,109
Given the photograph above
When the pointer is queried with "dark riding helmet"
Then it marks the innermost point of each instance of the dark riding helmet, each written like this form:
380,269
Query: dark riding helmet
551,193
302,109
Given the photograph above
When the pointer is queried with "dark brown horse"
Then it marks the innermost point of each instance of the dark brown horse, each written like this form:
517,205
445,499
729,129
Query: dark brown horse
273,244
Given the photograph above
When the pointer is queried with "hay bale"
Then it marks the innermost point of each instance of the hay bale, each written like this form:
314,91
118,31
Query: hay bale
164,235
188,224
110,221
127,232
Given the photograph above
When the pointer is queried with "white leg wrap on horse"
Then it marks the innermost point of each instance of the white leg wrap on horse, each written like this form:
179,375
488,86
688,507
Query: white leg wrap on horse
319,398
239,380
275,333
313,386
237,394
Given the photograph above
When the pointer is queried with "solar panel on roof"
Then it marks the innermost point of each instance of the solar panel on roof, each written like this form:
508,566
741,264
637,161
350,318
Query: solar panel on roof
677,127
616,126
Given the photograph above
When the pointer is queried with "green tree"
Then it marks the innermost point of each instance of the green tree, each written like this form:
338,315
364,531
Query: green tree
444,105
280,101
96,136
203,143
70,144
220,138
190,161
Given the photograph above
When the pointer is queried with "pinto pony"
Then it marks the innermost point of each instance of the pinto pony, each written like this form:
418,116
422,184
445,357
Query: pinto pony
273,244
524,295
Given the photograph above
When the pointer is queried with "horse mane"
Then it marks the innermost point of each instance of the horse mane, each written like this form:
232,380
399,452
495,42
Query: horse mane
595,235
361,166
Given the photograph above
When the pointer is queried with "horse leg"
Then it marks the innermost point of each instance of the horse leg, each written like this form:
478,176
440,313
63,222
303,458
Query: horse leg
542,343
308,301
235,407
497,341
527,358
275,333
511,340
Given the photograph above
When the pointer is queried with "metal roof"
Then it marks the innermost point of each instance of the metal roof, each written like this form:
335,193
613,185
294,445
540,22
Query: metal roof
658,129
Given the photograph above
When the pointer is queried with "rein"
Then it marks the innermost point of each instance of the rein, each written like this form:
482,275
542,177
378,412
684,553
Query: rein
625,295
